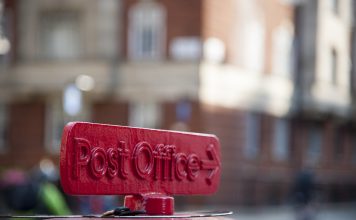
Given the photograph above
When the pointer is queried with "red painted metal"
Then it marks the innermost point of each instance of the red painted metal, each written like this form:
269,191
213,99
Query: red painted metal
147,163
153,204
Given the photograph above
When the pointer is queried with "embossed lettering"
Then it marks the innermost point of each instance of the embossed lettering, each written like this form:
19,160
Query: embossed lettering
82,155
143,159
180,166
158,161
162,163
113,165
167,157
193,166
98,162
124,155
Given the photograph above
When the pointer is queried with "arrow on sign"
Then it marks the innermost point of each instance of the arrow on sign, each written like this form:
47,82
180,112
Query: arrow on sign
212,164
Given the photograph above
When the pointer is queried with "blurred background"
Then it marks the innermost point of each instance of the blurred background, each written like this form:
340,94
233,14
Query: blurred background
275,80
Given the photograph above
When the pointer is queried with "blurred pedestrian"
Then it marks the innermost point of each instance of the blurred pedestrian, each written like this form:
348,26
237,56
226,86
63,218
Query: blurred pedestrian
19,194
51,199
33,193
303,194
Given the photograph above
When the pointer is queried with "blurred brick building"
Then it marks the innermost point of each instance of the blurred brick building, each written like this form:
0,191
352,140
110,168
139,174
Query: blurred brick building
271,79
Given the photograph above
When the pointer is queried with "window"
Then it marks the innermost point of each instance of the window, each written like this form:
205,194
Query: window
353,156
339,144
146,115
108,28
56,119
252,144
3,128
281,139
183,110
55,123
5,21
334,66
251,32
282,50
334,6
214,50
186,48
60,35
146,31
72,100
254,35
314,145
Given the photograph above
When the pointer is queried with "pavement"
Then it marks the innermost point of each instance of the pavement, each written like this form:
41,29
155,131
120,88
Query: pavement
320,212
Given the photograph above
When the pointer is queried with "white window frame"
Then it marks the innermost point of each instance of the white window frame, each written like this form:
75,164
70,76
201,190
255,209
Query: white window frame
254,45
53,44
282,56
251,32
151,17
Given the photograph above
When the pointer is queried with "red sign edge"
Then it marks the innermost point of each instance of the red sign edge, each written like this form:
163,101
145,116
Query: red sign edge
64,173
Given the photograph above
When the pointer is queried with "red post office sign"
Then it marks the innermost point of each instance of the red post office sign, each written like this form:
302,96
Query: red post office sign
120,160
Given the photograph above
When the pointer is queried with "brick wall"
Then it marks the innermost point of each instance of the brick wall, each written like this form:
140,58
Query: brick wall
228,126
25,135
334,174
218,21
109,112
184,19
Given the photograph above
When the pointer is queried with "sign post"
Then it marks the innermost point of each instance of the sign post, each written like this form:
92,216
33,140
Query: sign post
146,165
